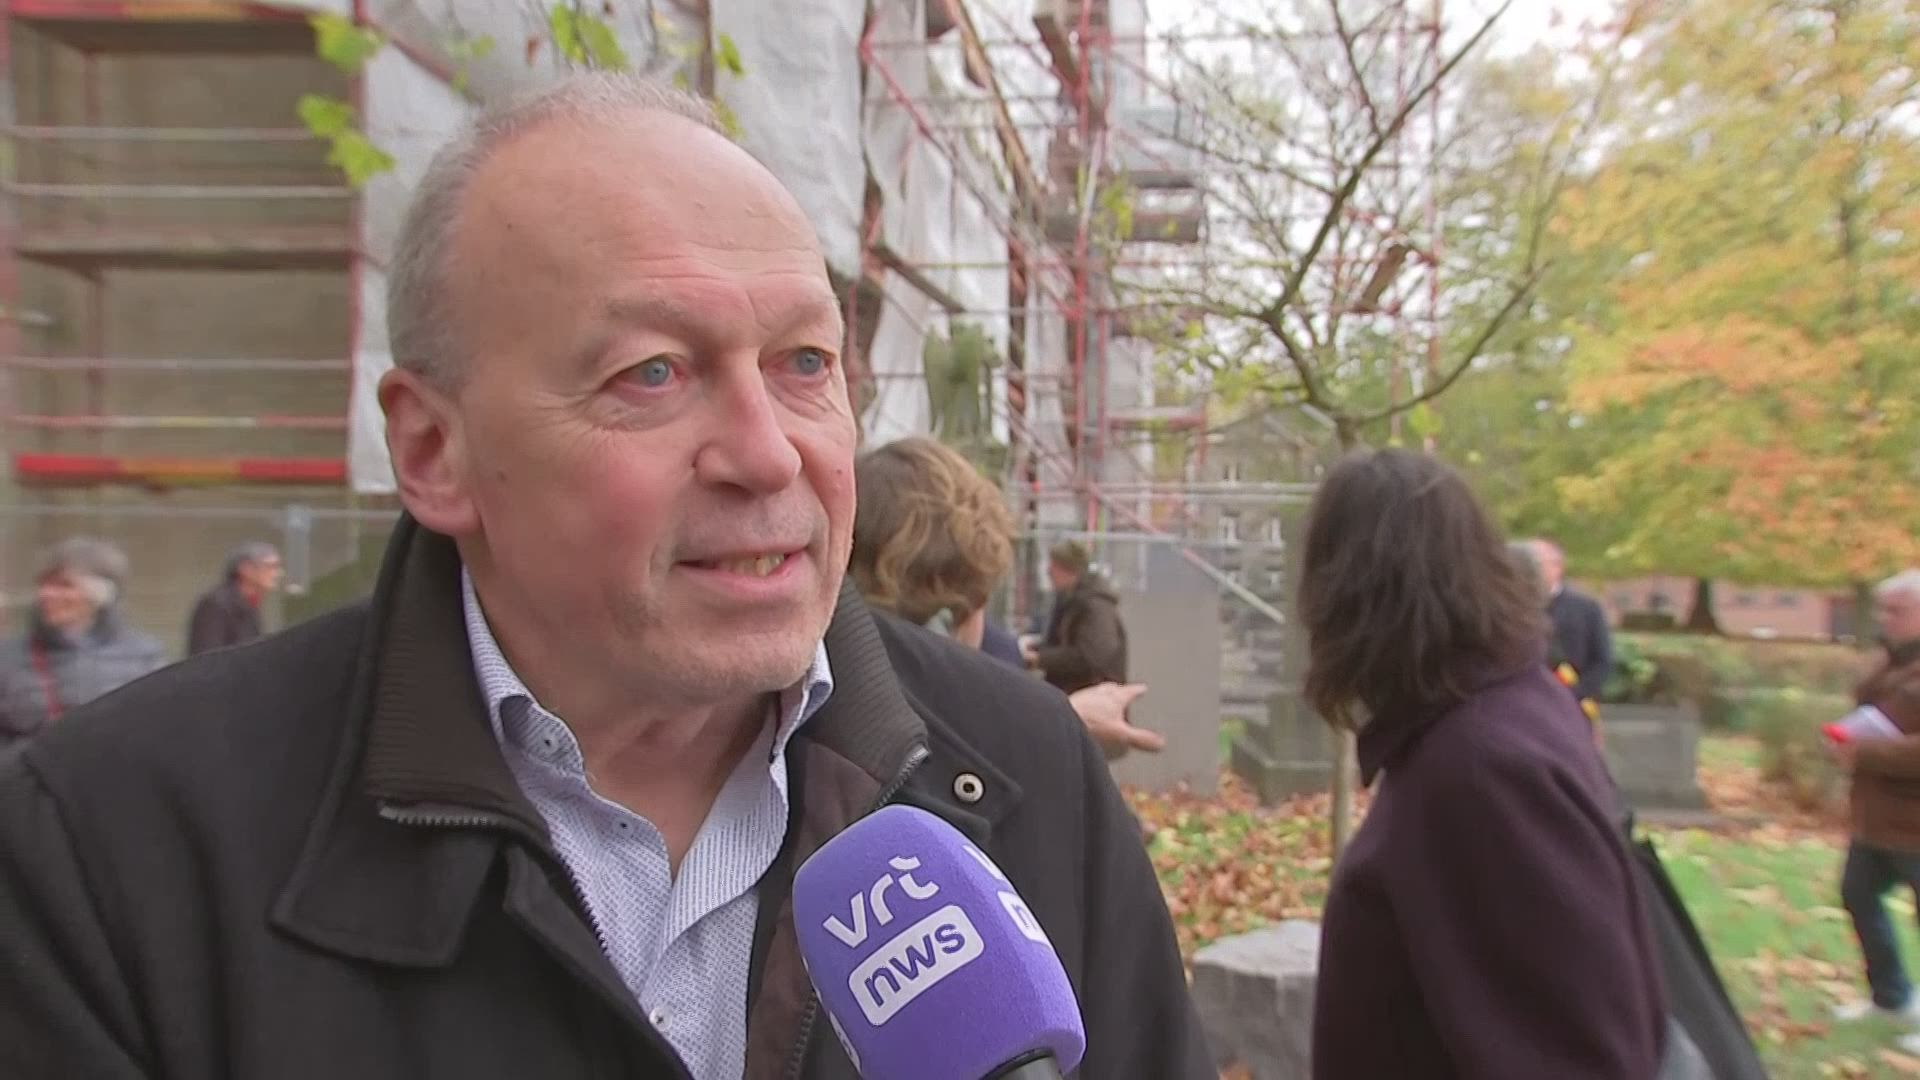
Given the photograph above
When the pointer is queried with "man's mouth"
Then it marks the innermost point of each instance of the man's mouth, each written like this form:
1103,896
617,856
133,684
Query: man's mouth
762,565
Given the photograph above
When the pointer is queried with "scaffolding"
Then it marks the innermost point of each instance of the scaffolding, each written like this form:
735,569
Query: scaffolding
1078,102
985,141
101,206
178,270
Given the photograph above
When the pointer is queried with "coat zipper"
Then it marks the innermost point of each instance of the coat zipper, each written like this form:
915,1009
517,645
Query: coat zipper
811,1015
443,816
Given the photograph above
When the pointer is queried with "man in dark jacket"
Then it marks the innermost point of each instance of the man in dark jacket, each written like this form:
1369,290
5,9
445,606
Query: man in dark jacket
371,846
1085,642
1580,633
229,613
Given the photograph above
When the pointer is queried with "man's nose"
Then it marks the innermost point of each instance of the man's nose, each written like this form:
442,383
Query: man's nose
747,445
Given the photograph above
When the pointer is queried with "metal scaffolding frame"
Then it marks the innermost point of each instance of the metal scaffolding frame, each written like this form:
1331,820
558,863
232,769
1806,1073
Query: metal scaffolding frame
57,223
1073,40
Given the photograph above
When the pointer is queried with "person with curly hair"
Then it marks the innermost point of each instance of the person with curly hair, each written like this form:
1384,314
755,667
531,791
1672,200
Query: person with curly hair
932,539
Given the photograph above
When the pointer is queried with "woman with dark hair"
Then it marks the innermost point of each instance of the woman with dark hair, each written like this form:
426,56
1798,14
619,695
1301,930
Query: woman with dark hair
1485,921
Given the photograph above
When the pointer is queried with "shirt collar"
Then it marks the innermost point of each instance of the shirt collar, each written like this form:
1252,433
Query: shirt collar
499,683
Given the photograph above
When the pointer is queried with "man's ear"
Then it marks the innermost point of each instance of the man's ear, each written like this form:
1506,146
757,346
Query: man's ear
427,446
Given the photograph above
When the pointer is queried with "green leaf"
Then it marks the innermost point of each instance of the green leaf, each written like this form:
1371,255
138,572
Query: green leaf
602,45
350,151
344,44
357,157
464,51
326,117
727,55
587,40
563,26
1423,421
729,120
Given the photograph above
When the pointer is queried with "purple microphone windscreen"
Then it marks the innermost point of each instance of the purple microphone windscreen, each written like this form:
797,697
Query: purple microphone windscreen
928,962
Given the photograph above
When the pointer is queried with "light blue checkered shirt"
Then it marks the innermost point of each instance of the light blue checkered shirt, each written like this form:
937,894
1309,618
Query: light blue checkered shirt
681,944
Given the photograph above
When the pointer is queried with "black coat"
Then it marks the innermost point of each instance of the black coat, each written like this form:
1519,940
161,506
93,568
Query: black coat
306,858
222,617
1486,923
1581,638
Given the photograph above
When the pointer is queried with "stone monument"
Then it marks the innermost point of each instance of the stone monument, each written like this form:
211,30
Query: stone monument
1254,993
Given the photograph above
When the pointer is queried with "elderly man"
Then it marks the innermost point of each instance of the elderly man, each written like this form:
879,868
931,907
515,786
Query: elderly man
535,808
1580,634
229,613
1885,848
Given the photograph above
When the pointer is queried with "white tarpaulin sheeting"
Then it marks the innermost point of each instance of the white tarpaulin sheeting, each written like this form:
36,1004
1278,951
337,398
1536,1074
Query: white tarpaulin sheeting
1048,413
798,105
893,149
979,276
410,112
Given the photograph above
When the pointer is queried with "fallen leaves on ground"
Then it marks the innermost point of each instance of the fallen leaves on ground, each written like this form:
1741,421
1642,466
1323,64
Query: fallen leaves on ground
1229,865
1748,804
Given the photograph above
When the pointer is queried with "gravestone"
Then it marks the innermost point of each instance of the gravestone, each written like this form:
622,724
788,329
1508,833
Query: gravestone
1653,752
1254,994
1173,645
1289,751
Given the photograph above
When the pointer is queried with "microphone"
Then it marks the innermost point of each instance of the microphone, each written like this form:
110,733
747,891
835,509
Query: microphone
928,963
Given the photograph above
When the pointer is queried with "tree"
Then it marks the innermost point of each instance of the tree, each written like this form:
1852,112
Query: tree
1339,273
1758,363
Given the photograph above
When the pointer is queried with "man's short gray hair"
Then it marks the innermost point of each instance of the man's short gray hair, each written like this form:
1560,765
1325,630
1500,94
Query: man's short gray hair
1904,583
420,329
252,551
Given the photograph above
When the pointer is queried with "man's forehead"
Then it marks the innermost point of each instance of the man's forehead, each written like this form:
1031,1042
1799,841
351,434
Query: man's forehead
782,301
663,169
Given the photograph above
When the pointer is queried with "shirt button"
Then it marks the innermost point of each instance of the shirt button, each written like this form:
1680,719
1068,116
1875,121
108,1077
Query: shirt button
659,1017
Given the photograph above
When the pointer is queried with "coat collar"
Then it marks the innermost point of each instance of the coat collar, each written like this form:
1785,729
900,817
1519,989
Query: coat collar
418,746
1392,733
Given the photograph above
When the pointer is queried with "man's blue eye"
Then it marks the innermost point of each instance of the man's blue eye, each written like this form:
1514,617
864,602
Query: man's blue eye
654,372
810,361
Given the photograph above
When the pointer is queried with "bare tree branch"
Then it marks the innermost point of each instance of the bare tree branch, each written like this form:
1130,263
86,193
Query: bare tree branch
1353,66
1440,386
1337,206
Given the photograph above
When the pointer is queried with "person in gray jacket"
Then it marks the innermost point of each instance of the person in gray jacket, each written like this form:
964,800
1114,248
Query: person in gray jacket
77,646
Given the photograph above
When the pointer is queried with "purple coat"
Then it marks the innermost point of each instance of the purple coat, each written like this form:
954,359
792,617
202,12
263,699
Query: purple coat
1485,922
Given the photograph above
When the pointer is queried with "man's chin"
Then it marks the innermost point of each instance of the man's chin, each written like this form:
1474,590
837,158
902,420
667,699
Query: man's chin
744,674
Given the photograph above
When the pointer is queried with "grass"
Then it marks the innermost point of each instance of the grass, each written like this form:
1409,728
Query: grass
1766,899
1768,907
1765,896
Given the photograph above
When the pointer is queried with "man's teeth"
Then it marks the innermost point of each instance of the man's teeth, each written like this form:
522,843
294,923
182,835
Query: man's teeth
758,566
